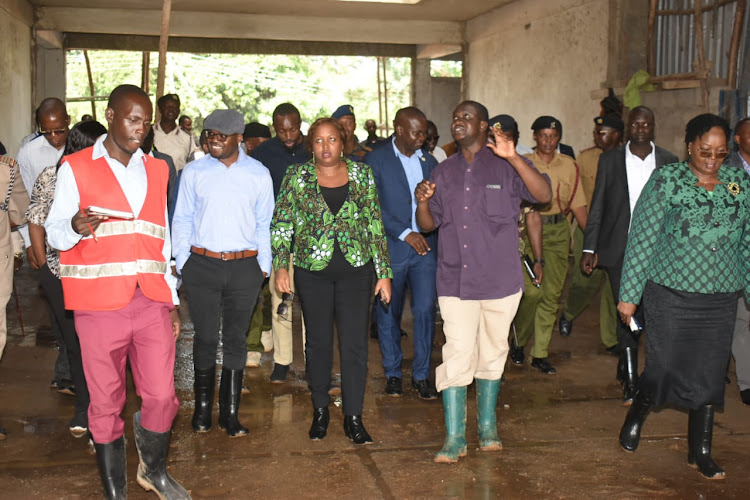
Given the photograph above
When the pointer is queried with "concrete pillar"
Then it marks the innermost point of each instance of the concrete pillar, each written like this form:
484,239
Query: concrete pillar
436,97
50,66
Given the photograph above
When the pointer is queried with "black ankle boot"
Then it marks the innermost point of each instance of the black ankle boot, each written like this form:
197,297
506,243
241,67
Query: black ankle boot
630,382
630,434
205,381
152,470
700,436
355,429
113,468
319,427
230,391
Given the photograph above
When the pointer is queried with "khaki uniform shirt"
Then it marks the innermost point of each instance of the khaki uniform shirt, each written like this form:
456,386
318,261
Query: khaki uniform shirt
588,163
567,192
15,214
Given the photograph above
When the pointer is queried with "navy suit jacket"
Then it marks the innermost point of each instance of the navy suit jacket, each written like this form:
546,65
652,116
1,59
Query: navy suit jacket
395,196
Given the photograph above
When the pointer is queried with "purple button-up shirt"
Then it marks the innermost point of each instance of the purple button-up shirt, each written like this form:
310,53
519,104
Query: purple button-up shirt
476,207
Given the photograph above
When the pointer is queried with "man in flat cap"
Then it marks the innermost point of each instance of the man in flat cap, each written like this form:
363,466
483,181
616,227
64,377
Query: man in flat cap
621,176
608,133
255,134
222,248
538,309
352,149
116,279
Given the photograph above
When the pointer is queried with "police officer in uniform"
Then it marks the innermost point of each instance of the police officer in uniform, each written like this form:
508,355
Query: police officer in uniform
608,133
538,310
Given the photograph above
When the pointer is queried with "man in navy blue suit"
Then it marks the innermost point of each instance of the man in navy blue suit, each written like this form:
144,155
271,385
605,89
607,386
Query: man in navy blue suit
399,164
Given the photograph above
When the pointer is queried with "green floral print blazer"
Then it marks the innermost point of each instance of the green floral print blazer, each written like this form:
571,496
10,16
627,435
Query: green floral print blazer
302,216
687,238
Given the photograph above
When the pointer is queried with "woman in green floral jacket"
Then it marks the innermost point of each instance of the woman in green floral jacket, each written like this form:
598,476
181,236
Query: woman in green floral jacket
328,210
688,255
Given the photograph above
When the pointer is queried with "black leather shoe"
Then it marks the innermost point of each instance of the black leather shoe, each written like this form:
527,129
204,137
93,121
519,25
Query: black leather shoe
566,327
355,430
279,373
614,350
425,389
393,387
66,387
745,395
516,354
543,366
319,427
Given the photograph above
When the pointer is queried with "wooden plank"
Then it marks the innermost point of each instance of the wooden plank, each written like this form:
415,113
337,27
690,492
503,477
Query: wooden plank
680,84
734,45
650,48
166,12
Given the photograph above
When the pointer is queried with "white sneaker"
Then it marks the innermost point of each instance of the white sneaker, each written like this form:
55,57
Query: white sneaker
266,338
253,359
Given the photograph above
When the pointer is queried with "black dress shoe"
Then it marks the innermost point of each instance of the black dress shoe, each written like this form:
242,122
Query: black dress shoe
319,427
355,430
66,387
566,327
745,395
279,373
425,389
393,387
543,366
613,350
516,354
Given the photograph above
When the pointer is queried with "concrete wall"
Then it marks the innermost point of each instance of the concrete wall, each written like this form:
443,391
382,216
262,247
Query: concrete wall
16,75
535,57
436,97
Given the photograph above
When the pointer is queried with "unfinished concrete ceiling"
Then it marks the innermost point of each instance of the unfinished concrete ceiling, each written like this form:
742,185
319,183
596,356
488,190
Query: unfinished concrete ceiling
425,10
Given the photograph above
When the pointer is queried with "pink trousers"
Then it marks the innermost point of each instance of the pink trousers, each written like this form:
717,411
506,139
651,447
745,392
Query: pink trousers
142,332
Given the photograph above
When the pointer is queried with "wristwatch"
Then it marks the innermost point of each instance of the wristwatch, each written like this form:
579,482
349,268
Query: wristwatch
540,261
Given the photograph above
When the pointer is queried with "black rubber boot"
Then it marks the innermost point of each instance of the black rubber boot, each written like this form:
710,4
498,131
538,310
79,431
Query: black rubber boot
113,468
152,470
630,434
205,381
700,436
630,382
230,391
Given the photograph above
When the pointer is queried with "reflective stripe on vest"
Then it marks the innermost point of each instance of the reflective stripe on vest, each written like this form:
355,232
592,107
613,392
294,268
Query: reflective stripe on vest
118,228
113,269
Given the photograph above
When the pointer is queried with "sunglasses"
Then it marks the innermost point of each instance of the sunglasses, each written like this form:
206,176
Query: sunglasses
286,300
216,135
706,153
49,133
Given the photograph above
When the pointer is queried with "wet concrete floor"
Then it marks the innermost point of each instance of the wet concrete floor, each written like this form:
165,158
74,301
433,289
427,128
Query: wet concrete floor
559,433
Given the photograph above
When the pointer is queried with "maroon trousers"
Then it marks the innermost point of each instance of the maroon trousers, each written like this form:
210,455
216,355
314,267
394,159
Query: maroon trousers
142,332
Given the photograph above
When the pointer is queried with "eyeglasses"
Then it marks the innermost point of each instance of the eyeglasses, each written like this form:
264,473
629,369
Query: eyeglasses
48,133
217,135
286,300
707,153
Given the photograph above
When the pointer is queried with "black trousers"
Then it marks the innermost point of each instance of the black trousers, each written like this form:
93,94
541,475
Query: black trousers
625,338
53,290
221,295
342,295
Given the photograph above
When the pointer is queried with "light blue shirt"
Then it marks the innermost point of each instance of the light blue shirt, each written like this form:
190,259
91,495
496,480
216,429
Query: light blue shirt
413,169
745,165
224,209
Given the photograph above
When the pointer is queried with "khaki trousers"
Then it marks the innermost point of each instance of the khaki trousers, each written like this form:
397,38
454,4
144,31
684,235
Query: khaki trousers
281,326
476,339
3,325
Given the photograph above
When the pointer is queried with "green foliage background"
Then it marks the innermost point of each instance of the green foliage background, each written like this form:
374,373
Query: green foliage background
252,84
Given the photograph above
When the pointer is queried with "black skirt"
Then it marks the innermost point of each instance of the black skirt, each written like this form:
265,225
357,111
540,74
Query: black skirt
688,344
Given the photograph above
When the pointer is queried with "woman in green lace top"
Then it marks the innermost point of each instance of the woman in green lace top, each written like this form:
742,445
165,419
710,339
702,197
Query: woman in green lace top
688,255
328,209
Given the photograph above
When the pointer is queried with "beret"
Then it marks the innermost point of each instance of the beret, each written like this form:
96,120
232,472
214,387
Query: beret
225,121
507,123
343,110
546,122
610,120
255,129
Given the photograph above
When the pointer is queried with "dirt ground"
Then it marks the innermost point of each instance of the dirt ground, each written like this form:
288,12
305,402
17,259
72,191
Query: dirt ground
559,433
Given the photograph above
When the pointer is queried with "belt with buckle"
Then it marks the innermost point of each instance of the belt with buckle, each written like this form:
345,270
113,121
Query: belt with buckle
241,254
553,219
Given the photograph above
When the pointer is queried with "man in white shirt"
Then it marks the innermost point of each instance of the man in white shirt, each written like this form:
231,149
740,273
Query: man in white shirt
168,137
116,279
621,176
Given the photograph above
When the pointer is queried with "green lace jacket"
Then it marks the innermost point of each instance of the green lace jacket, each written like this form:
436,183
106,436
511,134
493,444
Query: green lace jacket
686,238
302,216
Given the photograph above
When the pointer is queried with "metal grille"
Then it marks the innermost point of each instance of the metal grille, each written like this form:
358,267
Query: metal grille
675,48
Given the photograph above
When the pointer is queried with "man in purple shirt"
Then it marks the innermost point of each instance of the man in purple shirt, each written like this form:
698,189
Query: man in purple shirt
474,197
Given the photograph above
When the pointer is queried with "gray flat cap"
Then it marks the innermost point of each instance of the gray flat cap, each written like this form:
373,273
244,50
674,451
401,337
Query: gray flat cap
225,121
